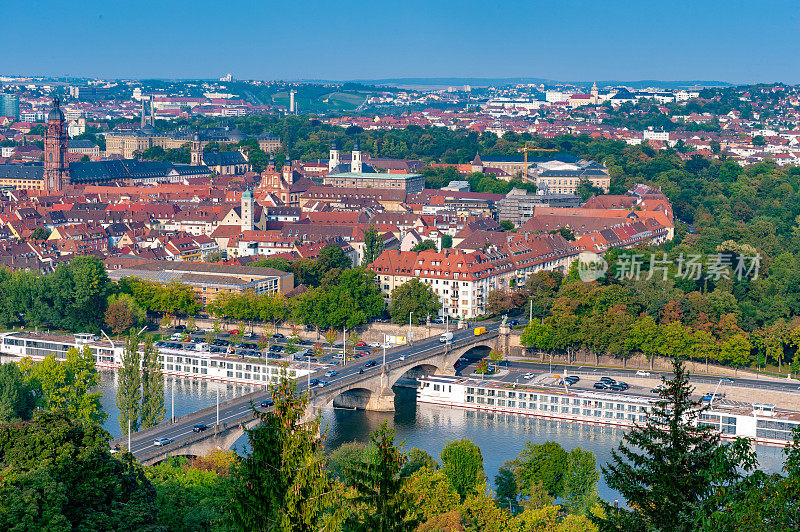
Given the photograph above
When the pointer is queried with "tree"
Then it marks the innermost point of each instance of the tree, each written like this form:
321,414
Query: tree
332,257
122,313
64,385
496,356
191,494
580,481
215,256
447,241
540,464
281,484
129,393
58,474
89,288
736,350
482,368
373,246
760,501
415,299
40,233
152,409
17,397
425,245
668,467
462,463
507,489
379,486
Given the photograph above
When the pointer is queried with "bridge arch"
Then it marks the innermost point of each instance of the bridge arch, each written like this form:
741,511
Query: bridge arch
423,369
356,398
452,357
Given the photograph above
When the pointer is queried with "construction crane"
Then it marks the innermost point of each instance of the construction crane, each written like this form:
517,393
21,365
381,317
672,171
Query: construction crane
526,149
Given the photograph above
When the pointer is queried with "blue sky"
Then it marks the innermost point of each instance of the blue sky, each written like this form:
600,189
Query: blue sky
732,40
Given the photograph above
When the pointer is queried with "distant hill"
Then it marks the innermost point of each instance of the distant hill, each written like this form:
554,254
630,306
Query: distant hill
484,82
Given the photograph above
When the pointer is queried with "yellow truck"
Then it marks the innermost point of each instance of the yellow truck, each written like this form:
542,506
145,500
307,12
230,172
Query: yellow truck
480,330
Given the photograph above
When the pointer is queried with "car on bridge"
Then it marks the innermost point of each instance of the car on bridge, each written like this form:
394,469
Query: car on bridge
161,442
600,385
313,383
200,427
642,373
331,373
480,330
370,364
268,403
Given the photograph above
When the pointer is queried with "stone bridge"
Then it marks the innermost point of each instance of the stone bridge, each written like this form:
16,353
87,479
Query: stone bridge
371,390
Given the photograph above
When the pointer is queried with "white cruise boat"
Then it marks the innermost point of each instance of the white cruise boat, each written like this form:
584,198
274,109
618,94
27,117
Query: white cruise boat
183,362
760,422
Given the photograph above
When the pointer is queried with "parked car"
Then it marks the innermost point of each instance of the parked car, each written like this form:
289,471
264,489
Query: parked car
623,385
616,388
160,442
180,327
361,343
267,403
657,389
200,427
233,331
370,364
608,380
642,373
278,335
331,373
276,348
513,322
313,382
528,376
573,378
601,386
374,345
338,356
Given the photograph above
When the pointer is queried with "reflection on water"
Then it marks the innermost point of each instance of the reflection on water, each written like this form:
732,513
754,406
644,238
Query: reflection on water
190,395
500,436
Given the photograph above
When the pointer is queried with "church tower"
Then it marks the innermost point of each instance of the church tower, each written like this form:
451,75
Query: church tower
56,172
355,164
197,151
595,94
333,160
248,204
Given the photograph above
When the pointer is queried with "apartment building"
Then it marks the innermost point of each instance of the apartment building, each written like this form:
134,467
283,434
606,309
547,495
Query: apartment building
461,280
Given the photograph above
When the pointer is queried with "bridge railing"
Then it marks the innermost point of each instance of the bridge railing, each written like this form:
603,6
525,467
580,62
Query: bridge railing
410,361
194,416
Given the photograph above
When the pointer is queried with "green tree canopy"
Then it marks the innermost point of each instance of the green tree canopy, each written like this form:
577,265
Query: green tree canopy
416,299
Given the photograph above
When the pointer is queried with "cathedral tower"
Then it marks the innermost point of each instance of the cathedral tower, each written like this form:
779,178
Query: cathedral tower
355,164
333,160
197,151
56,171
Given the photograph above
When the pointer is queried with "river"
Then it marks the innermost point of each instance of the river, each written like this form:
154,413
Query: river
500,436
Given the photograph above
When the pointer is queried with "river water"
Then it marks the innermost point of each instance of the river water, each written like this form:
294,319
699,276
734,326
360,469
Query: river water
500,436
